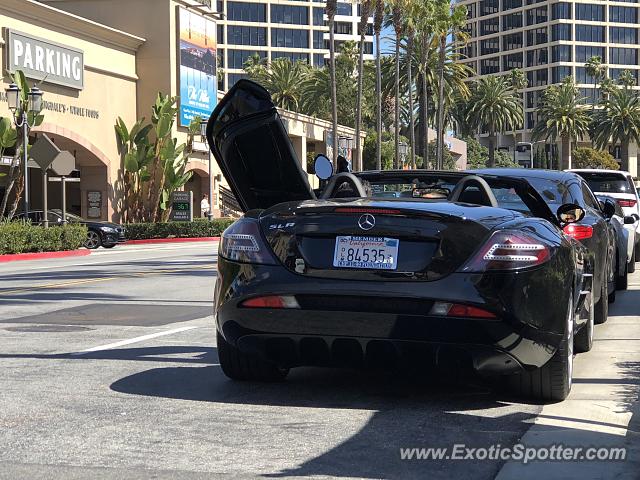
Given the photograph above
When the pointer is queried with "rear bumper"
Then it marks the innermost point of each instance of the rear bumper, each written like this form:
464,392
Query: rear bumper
353,322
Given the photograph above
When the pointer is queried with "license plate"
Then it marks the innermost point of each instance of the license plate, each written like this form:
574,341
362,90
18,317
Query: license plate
377,253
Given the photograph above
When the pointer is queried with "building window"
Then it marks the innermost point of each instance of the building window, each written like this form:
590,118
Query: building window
470,50
512,41
511,21
490,26
285,37
221,58
536,15
240,35
560,73
534,98
585,95
220,34
583,54
560,10
471,10
623,56
623,14
509,4
589,33
293,56
561,31
368,48
490,46
561,53
614,73
246,12
537,57
537,78
290,14
512,61
536,36
318,16
582,76
345,28
344,9
319,60
487,7
489,65
589,11
237,58
623,35
318,39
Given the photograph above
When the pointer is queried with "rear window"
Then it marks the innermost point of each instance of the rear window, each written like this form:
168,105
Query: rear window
607,182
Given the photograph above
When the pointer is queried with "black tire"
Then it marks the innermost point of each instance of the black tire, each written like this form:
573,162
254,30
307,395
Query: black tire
93,241
551,382
239,366
622,281
602,307
583,341
110,246
631,266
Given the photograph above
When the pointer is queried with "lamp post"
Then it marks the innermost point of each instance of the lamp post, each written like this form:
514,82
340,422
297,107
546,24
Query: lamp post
531,144
203,133
404,149
21,120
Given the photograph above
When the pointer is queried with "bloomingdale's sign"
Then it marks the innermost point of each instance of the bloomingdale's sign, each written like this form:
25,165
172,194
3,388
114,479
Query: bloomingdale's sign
39,58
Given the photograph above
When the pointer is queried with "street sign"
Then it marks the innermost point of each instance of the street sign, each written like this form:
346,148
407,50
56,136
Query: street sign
64,164
44,152
182,207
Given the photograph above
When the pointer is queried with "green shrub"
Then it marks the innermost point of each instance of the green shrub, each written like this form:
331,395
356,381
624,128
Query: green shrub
22,237
197,228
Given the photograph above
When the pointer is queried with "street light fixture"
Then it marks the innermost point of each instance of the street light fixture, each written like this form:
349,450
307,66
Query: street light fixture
21,119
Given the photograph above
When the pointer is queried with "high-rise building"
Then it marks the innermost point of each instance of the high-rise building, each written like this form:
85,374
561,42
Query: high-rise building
281,28
550,40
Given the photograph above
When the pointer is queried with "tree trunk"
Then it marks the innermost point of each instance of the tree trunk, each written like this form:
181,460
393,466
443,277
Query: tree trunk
412,119
423,119
565,161
396,161
624,156
440,133
378,104
358,159
334,95
492,148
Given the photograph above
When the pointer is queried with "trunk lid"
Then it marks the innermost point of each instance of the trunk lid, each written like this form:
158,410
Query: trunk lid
252,148
434,238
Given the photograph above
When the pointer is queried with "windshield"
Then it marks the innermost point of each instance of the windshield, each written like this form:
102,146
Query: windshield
55,215
607,182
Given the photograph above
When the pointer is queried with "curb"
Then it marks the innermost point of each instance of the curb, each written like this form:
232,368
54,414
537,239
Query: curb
43,255
171,240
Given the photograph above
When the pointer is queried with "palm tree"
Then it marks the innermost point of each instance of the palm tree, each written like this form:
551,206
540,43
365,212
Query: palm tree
423,14
562,115
519,82
618,122
378,20
494,105
284,79
330,10
448,21
397,17
596,70
627,79
410,28
365,12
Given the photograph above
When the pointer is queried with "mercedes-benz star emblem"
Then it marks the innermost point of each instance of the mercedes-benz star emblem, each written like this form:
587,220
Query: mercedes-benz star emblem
367,221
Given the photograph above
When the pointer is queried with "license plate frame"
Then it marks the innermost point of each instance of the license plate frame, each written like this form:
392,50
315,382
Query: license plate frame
368,253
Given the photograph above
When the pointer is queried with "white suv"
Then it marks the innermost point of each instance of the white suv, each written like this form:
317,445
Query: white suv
619,185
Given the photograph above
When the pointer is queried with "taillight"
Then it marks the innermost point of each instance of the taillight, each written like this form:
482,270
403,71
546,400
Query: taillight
623,202
271,301
579,232
459,310
373,211
242,242
509,250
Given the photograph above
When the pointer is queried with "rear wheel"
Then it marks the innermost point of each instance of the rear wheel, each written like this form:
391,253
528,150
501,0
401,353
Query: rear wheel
631,266
552,381
93,240
109,246
584,338
622,280
602,307
241,366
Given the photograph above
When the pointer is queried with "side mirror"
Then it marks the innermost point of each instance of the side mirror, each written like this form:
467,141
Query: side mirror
629,220
608,208
323,167
570,213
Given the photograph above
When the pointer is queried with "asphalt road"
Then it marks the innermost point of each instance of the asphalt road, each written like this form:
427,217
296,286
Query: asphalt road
108,369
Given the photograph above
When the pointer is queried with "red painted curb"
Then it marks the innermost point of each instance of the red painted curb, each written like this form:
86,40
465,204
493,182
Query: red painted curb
172,240
43,255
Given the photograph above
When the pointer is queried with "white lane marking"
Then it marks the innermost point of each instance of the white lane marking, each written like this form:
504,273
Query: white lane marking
134,340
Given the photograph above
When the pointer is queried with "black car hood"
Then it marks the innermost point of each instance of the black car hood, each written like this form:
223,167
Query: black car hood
252,148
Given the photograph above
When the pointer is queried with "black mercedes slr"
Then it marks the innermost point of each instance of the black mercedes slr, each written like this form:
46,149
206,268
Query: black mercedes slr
395,269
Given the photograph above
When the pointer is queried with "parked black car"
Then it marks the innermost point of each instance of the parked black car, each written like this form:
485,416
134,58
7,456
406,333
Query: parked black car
105,234
308,280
